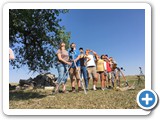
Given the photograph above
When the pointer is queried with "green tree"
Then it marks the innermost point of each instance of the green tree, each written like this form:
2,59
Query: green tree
34,36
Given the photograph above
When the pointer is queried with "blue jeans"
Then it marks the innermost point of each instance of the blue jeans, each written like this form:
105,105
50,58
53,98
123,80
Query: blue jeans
85,77
62,75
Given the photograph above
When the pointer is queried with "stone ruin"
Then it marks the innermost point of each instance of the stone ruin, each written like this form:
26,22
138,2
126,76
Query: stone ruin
40,81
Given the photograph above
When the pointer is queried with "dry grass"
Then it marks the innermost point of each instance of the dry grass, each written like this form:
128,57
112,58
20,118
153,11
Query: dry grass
108,99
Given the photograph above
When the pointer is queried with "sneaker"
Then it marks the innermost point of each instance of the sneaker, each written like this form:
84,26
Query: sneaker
102,89
87,89
94,87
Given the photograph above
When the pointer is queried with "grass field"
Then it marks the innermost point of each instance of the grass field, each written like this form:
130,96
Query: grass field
108,99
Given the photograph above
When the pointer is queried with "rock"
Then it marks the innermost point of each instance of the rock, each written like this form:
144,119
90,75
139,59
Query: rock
126,88
40,81
18,88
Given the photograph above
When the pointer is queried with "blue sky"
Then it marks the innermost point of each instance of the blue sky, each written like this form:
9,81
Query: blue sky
120,33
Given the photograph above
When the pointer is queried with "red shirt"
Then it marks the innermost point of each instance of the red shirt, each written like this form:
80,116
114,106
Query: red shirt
108,67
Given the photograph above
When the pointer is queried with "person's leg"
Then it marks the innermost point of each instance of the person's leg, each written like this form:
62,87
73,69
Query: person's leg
118,78
107,84
112,78
72,78
60,70
85,77
115,79
98,77
95,77
102,80
63,87
94,84
65,78
118,81
105,77
88,75
81,72
66,72
77,74
104,83
109,79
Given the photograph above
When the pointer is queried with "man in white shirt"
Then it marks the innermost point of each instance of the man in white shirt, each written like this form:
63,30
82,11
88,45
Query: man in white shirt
91,67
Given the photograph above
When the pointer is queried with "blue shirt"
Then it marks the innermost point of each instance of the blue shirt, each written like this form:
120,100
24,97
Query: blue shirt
72,56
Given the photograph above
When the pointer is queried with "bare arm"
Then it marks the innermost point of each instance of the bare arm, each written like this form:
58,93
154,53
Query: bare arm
94,53
107,58
88,59
77,58
11,54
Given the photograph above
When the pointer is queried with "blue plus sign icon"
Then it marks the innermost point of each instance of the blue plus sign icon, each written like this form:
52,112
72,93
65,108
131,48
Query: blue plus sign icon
147,99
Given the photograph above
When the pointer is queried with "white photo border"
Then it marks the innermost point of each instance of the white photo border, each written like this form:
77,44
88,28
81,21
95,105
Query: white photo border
8,6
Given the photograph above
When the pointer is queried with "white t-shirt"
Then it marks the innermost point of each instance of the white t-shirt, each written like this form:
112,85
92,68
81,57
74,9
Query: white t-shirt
91,62
105,67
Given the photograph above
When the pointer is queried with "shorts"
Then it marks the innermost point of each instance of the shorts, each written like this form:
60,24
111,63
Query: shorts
74,73
92,71
109,74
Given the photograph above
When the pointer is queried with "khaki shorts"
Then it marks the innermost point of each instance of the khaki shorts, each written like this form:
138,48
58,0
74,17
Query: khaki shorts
109,75
92,71
74,73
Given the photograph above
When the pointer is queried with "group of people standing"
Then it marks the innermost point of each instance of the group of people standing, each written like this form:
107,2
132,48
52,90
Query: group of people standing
86,65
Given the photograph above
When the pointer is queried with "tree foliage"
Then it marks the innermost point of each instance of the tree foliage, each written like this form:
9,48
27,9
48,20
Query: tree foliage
34,36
